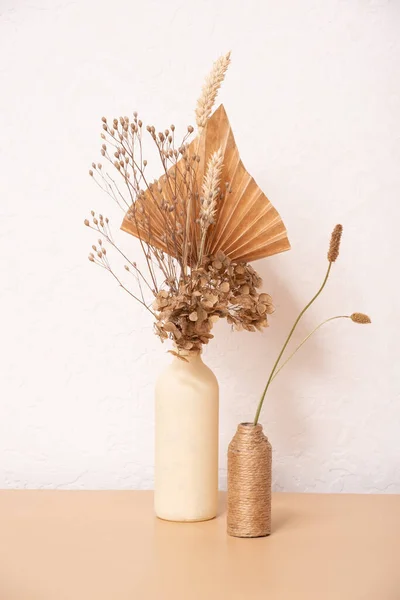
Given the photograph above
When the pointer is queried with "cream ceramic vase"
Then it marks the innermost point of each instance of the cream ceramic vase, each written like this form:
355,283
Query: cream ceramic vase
186,441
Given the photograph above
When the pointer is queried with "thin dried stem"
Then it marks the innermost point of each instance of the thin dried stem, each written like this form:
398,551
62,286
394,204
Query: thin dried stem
305,340
287,342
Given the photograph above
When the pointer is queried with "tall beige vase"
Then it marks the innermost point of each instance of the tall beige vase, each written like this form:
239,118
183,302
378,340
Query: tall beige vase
186,441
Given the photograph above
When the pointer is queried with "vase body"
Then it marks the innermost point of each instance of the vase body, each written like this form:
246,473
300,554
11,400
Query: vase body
186,441
249,482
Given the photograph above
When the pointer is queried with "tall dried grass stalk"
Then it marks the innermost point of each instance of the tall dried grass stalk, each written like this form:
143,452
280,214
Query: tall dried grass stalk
333,253
210,90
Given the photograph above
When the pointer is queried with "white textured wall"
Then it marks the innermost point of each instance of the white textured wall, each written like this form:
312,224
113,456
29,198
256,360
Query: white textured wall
313,97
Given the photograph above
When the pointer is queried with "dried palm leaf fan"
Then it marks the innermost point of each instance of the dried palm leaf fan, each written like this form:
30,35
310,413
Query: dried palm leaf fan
247,227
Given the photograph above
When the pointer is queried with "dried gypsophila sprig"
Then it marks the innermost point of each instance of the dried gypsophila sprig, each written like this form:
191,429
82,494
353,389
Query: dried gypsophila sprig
123,151
210,90
361,318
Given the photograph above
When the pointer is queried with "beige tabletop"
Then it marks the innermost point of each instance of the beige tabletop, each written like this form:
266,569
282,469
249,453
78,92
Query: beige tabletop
75,545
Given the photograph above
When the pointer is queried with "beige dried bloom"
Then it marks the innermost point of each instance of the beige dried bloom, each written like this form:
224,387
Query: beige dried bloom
360,318
334,245
210,90
218,289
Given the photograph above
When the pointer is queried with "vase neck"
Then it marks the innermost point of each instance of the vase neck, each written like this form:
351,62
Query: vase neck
191,356
249,431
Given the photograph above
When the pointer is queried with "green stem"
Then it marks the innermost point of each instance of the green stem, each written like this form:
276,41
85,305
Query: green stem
286,343
305,340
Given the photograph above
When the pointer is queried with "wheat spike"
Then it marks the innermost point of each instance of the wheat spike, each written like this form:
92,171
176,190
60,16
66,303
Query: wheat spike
210,188
210,90
210,191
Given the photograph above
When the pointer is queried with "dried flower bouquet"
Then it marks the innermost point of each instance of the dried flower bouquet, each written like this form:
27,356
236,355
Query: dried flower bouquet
199,224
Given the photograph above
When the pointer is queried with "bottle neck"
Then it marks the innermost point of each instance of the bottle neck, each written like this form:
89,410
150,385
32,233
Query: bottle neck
187,356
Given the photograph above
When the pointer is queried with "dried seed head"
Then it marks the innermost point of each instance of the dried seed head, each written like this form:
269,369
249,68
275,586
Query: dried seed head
190,129
210,90
360,318
86,222
91,257
334,245
90,172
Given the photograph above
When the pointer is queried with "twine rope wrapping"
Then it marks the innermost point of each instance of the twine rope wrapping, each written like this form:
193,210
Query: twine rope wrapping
249,482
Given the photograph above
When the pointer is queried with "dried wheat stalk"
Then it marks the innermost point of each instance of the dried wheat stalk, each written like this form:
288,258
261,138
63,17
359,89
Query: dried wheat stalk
210,90
208,200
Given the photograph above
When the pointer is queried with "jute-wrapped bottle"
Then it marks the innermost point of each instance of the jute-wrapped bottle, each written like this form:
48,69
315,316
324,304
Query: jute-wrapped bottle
249,482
